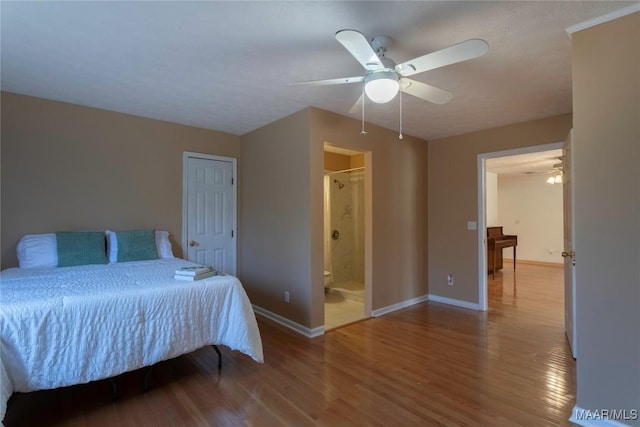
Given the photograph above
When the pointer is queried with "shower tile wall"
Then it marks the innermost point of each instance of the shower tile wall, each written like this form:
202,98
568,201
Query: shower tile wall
357,187
347,216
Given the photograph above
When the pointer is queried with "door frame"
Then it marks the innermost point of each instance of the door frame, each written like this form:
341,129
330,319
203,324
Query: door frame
482,214
569,242
368,224
234,198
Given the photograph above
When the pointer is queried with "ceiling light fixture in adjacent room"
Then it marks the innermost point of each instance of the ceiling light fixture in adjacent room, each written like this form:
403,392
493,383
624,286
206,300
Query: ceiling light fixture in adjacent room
555,179
556,173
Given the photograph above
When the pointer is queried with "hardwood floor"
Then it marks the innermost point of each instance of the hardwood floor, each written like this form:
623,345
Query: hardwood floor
430,364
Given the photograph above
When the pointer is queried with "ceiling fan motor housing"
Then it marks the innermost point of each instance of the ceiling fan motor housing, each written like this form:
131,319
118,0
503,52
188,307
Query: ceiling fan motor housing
382,85
380,44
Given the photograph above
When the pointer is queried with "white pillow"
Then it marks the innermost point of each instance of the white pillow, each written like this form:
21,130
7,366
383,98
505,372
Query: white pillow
112,246
37,250
163,245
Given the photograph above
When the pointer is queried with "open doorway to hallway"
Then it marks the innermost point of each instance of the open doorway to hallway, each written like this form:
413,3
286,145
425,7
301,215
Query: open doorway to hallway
521,198
524,199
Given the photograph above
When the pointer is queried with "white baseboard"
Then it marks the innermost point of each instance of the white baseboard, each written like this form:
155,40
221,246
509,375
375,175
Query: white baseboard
399,306
594,420
316,332
296,327
456,302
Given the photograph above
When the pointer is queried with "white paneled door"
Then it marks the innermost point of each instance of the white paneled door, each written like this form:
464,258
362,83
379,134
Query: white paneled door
209,212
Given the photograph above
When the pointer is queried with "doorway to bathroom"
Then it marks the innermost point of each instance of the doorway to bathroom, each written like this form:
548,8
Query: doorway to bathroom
344,237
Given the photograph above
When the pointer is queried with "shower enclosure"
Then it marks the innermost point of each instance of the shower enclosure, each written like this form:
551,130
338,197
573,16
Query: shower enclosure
344,231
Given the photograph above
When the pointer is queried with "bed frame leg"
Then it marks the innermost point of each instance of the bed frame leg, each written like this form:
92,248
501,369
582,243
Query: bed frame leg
146,378
215,347
114,389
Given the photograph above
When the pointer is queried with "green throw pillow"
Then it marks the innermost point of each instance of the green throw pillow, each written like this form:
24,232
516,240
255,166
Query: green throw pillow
81,248
136,245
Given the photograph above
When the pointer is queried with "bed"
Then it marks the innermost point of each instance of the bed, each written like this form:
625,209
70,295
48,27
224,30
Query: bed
70,325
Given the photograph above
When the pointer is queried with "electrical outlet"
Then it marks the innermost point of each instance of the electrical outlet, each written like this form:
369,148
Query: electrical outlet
450,279
286,296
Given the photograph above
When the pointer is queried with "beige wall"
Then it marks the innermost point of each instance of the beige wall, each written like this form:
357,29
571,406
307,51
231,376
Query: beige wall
453,198
398,173
67,167
336,162
357,161
282,213
606,99
275,235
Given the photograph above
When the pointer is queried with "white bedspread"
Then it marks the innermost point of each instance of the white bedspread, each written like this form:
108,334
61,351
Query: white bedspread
72,325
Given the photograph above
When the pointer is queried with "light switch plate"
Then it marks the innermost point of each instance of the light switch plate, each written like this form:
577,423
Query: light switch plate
472,225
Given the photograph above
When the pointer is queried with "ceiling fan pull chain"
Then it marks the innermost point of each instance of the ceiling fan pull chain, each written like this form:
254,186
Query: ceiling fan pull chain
362,132
400,135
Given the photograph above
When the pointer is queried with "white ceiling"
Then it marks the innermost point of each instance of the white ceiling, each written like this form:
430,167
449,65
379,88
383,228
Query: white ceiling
226,65
544,162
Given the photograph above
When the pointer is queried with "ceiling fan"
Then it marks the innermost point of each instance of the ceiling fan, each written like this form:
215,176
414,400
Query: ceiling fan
384,78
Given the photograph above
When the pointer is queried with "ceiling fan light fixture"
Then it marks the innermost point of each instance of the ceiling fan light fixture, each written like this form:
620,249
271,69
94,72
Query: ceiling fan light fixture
382,86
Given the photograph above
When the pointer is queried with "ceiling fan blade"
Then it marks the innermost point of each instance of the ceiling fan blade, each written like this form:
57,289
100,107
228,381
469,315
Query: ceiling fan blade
327,82
424,91
357,107
450,55
359,47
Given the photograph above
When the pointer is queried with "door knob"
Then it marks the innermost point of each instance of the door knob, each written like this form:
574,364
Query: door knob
193,243
568,254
